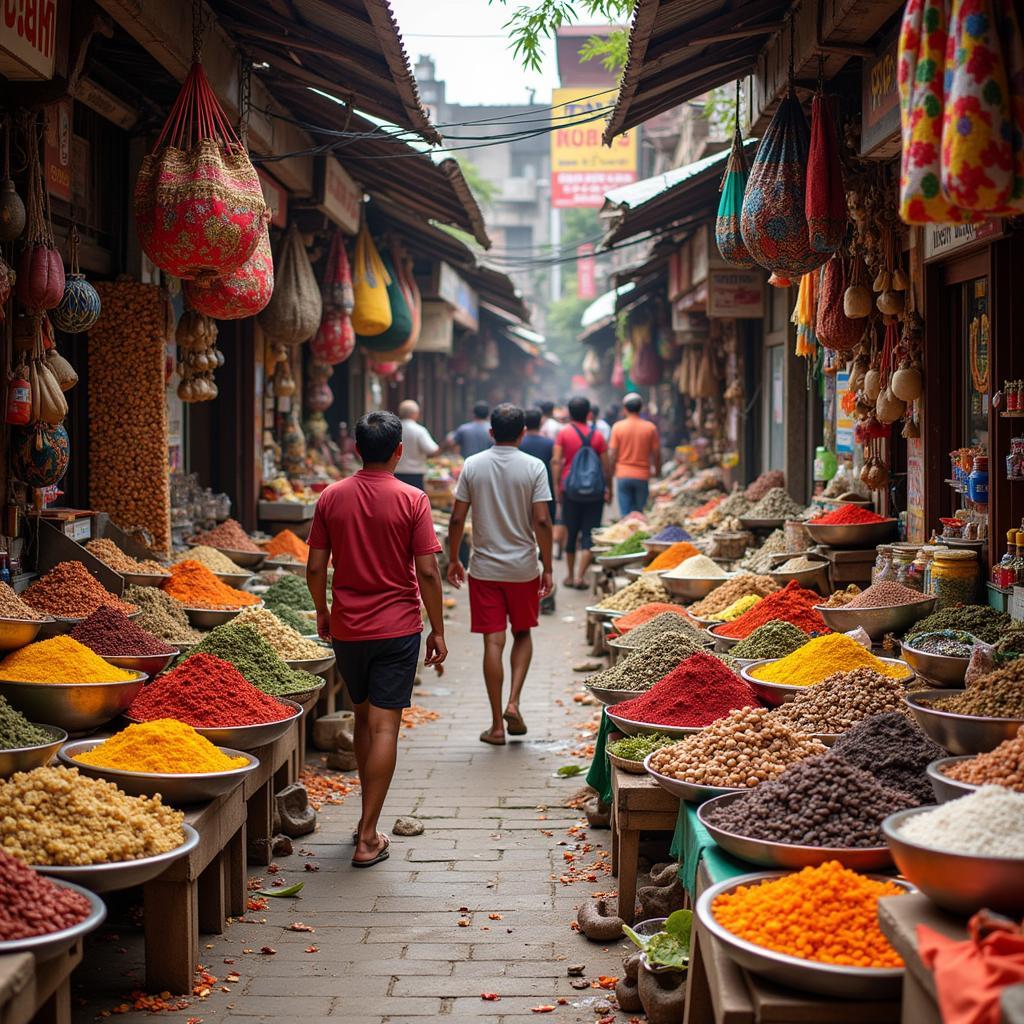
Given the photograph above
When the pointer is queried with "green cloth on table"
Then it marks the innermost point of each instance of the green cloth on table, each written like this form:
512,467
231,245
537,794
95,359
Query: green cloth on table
691,842
599,776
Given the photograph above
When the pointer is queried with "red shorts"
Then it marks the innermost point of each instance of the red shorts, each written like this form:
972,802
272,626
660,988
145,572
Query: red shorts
493,604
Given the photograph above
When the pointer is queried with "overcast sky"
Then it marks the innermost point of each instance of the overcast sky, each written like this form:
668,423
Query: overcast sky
474,59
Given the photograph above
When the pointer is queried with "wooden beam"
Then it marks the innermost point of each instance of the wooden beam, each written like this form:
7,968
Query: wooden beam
164,30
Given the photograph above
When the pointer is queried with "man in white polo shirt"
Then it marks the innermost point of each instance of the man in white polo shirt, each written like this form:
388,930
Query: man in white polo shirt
417,446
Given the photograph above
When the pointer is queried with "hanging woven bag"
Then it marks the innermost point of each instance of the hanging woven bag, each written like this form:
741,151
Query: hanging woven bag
370,280
730,206
411,293
773,222
335,339
833,328
398,332
825,196
39,284
337,283
293,313
244,291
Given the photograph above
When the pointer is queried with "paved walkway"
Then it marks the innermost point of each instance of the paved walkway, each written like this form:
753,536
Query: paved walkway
475,905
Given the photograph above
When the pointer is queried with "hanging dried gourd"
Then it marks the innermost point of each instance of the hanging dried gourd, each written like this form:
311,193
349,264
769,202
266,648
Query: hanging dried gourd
40,281
283,383
199,206
242,292
728,235
773,222
319,396
198,356
63,372
49,405
293,313
79,307
825,196
833,327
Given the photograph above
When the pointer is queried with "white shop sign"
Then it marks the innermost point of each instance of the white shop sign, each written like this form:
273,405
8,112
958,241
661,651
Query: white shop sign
436,329
940,239
28,35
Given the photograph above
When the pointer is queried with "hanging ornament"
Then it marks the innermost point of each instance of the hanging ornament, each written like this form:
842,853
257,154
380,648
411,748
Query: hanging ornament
40,281
12,209
40,454
79,307
337,283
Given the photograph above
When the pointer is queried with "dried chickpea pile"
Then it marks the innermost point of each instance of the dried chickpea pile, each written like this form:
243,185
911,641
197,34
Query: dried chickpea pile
56,816
127,411
738,751
842,700
639,592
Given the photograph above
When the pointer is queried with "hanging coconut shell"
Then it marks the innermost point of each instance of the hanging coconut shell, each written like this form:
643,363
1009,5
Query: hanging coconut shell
890,302
907,383
872,384
888,408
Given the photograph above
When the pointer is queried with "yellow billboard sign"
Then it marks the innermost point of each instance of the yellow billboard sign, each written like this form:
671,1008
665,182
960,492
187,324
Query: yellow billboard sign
582,169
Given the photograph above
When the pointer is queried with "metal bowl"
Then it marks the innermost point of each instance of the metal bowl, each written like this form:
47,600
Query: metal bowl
144,579
46,947
940,668
174,788
761,524
609,697
833,980
959,734
633,728
618,561
876,622
77,707
314,665
57,626
237,580
296,568
815,578
150,664
122,874
944,787
694,588
248,737
866,535
603,614
15,633
723,644
246,559
960,882
775,694
788,855
24,759
618,651
637,571
691,792
208,618
656,547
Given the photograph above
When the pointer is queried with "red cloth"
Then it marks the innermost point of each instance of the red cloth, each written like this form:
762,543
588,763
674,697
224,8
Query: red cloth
493,604
374,526
971,974
569,440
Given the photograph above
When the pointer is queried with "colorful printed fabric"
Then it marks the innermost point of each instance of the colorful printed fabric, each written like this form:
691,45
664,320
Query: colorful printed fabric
730,206
242,292
825,201
804,315
773,223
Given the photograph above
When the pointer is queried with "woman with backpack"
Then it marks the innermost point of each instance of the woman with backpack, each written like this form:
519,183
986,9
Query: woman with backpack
580,465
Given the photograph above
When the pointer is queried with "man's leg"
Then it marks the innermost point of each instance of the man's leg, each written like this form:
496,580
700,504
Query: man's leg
624,489
641,494
522,654
494,679
379,728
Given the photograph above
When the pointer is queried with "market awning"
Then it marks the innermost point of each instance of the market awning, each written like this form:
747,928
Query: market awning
679,49
601,312
349,48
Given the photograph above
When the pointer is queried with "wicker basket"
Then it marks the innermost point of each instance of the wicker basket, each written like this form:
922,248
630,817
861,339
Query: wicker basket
633,767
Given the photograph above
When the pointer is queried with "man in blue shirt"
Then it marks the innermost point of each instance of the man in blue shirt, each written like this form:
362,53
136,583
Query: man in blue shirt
540,447
474,436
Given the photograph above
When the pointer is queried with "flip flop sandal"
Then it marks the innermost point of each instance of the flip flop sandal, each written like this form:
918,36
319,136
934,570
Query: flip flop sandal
382,855
515,723
486,737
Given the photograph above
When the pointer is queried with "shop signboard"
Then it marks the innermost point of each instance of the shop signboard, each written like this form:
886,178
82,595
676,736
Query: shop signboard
880,102
915,490
586,266
28,37
582,168
736,293
454,289
337,196
844,420
57,150
276,197
942,239
437,328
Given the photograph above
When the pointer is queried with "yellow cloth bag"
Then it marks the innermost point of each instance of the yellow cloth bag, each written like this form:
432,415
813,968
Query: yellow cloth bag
370,280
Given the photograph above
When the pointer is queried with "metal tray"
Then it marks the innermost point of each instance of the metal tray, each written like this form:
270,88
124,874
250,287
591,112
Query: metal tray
46,947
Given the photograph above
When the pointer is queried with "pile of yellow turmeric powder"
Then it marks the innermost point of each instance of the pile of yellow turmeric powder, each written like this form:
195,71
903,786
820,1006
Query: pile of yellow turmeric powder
60,660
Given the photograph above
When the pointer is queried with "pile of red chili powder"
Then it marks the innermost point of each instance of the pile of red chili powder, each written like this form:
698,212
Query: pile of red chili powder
849,515
794,604
33,905
206,692
695,693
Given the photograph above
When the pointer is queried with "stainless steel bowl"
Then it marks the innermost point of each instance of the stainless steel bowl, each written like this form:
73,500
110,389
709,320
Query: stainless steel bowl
637,571
15,633
54,626
787,855
959,734
603,614
609,697
723,644
46,947
144,579
960,882
695,588
944,787
691,792
866,535
618,651
24,759
939,668
246,559
761,524
782,693
876,622
815,578
150,664
174,788
234,579
296,568
618,561
314,665
833,980
633,728
77,707
209,618
248,737
656,547
122,874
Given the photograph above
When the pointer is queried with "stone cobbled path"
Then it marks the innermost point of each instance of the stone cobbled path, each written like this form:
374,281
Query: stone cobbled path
481,903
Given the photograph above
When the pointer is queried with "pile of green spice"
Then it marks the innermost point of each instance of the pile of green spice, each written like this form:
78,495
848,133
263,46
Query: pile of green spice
646,665
636,748
775,639
1010,645
666,622
17,731
632,546
244,648
978,619
289,591
950,643
302,624
161,615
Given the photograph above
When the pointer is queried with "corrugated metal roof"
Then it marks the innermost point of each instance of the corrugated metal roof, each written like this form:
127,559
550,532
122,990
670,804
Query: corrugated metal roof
639,192
603,307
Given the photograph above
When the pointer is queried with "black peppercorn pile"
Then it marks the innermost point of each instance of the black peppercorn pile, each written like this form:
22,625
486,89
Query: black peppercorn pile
823,801
894,750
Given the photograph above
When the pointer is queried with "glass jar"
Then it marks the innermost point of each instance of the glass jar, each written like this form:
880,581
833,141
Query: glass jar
977,482
921,569
903,556
954,577
882,569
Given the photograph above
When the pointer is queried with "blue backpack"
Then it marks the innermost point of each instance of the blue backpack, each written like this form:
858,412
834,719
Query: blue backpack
585,481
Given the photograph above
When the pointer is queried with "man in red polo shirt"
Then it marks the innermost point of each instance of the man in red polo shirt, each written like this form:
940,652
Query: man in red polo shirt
379,533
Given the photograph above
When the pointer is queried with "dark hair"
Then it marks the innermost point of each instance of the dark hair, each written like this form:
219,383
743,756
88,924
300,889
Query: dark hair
547,408
480,410
633,404
507,423
378,434
595,411
531,417
579,408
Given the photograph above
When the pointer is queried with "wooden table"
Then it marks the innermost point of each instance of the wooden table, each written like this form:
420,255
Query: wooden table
278,767
32,993
638,804
719,992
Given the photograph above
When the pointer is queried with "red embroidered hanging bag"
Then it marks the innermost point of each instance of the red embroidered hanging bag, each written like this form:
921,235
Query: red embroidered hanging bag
243,292
824,197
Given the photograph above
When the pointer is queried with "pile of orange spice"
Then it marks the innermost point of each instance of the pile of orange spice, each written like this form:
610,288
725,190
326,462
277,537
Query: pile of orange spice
646,612
196,587
287,542
671,557
828,914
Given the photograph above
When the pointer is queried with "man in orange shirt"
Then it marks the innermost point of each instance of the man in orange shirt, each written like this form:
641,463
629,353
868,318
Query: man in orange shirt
635,456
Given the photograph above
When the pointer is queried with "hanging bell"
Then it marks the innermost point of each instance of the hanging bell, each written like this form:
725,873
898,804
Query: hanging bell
79,307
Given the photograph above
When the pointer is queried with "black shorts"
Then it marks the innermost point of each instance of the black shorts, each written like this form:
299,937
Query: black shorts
380,671
580,517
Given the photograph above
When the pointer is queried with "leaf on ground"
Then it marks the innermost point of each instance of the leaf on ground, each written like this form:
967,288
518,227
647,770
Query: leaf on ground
568,771
312,949
495,917
463,922
605,981
292,890
268,950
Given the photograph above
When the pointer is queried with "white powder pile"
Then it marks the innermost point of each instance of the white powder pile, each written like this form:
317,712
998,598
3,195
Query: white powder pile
697,567
988,823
